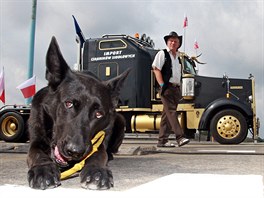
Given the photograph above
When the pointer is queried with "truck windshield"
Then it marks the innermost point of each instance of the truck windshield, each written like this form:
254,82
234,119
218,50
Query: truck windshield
189,66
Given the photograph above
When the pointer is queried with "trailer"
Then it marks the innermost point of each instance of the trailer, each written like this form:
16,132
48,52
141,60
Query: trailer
13,123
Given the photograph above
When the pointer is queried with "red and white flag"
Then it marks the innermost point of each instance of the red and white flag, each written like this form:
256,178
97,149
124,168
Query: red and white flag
196,46
28,88
185,22
2,86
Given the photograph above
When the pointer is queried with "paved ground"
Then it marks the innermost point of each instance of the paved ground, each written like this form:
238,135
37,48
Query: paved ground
200,167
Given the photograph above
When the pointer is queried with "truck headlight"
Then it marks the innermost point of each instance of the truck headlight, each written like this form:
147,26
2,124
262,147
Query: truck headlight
188,87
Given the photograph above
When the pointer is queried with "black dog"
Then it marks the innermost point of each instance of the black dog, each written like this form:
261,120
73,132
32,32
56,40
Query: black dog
64,118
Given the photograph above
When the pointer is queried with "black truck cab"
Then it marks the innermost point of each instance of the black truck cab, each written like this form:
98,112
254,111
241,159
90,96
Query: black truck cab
223,107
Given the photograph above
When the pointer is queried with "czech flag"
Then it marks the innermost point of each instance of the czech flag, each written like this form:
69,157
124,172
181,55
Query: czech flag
28,88
196,46
185,22
2,86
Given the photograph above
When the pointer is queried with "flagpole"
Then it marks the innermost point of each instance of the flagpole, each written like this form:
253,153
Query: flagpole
32,43
196,46
185,24
184,40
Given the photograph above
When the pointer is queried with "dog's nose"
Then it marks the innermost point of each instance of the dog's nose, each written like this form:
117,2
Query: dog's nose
75,151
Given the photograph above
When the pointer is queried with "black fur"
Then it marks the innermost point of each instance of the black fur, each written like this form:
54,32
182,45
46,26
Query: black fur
64,118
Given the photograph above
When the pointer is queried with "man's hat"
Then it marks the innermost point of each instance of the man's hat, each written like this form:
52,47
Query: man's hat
173,34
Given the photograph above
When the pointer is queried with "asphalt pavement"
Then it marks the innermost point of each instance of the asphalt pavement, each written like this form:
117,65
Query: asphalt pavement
199,169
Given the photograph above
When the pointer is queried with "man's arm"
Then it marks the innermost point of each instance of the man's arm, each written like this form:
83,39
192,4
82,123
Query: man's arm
158,76
159,79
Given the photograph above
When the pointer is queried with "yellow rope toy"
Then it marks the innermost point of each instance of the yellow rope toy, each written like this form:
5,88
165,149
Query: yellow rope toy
96,141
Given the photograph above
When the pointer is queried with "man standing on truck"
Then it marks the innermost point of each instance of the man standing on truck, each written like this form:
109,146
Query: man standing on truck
168,70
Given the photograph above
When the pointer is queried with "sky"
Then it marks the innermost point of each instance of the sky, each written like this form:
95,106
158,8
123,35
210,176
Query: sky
229,34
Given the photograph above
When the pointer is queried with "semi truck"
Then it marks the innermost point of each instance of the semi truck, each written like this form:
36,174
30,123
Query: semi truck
222,107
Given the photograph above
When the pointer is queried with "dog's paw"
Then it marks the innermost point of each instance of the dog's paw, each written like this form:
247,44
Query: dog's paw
44,176
97,179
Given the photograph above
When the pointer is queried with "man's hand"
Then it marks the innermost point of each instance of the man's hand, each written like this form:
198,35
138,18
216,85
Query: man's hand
163,88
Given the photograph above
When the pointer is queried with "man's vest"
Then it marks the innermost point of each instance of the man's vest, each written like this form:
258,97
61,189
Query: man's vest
166,70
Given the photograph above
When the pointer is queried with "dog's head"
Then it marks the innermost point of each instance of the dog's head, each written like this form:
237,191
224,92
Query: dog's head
79,104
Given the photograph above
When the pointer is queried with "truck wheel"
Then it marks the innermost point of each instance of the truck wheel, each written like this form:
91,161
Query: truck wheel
229,127
12,127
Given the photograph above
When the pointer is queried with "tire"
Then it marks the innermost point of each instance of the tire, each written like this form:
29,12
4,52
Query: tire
11,127
229,127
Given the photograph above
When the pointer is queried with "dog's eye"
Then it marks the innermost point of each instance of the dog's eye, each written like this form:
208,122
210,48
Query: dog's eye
68,104
98,114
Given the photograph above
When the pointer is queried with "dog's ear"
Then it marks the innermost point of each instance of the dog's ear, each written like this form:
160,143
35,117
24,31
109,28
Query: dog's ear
116,84
56,65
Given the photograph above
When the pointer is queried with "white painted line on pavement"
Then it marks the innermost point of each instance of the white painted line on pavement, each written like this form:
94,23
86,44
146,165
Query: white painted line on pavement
228,151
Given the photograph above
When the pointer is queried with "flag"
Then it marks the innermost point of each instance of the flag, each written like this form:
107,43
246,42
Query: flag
196,46
28,88
79,31
2,86
185,22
